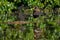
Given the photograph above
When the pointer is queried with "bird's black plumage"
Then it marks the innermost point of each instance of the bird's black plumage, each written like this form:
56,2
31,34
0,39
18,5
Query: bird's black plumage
36,12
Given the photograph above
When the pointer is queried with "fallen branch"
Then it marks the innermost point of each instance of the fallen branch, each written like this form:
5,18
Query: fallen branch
16,22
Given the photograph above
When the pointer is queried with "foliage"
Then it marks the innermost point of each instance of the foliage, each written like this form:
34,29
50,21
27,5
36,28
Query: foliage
50,22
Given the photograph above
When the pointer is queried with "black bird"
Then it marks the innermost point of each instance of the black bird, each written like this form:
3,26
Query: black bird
37,12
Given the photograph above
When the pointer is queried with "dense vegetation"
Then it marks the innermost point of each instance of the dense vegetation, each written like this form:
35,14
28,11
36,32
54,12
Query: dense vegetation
48,23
